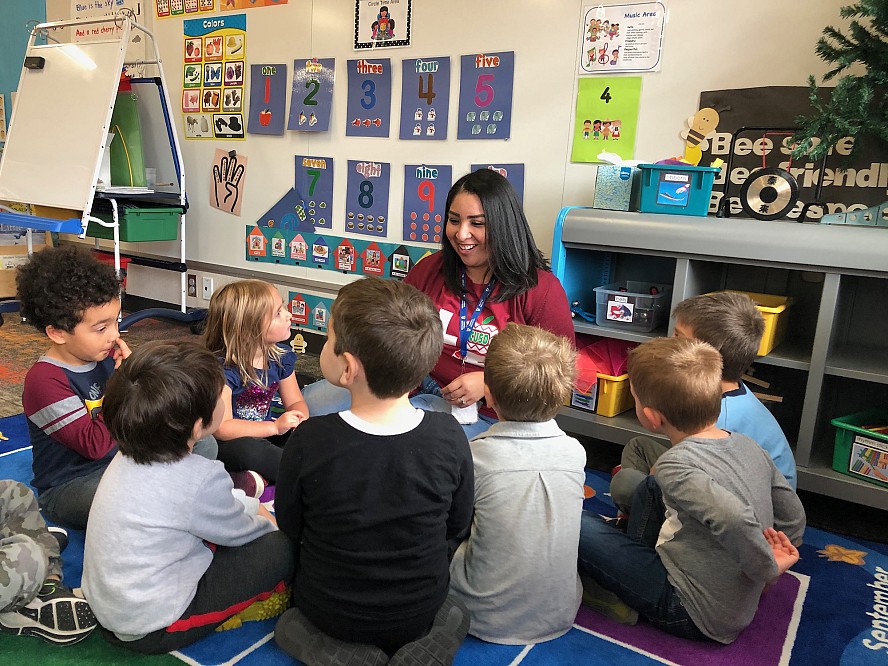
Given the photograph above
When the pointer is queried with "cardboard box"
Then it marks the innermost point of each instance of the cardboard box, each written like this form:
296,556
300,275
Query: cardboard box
14,252
613,187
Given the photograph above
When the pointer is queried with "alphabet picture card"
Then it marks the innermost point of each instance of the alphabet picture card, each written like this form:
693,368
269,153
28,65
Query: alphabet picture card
425,192
485,95
369,105
312,95
367,197
425,98
268,99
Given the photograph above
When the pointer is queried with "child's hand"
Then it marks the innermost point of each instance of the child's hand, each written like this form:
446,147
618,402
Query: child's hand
121,352
785,554
288,420
265,513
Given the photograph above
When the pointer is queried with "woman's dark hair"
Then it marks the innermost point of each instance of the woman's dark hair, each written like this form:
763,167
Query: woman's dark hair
512,253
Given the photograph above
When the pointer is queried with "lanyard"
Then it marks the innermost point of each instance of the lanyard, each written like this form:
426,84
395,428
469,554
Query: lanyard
466,326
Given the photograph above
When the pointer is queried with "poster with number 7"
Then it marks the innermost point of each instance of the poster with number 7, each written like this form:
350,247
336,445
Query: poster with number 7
425,192
485,95
312,96
314,181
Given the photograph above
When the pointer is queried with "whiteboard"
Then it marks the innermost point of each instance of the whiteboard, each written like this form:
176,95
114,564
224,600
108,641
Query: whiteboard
59,124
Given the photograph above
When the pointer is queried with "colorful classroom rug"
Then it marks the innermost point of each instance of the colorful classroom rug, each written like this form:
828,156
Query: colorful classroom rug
831,609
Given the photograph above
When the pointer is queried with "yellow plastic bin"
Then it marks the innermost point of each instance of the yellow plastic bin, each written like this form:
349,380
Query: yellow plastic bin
773,309
608,396
860,451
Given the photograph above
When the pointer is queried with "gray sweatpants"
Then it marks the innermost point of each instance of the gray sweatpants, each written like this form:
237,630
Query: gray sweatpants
638,459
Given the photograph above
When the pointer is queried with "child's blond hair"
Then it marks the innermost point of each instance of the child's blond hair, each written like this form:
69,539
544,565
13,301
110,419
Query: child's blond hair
237,319
681,379
529,372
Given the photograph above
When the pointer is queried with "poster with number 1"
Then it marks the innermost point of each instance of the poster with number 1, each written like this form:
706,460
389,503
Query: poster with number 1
485,95
607,117
312,95
425,192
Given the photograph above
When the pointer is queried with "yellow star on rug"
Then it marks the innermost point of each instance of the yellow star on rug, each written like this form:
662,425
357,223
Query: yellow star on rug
3,438
835,553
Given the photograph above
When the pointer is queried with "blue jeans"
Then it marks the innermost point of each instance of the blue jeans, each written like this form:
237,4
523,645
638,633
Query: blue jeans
324,398
628,564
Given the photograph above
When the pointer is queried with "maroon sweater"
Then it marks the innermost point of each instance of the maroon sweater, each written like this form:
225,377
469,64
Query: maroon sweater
544,305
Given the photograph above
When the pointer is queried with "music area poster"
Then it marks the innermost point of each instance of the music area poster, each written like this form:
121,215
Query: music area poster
855,186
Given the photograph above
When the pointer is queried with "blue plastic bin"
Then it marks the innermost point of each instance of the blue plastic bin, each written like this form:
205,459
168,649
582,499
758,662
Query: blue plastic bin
675,189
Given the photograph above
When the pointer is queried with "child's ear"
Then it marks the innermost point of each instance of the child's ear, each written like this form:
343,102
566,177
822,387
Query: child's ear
56,335
351,369
488,397
654,417
197,432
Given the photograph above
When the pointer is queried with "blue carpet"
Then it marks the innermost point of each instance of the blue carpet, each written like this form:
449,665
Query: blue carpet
839,595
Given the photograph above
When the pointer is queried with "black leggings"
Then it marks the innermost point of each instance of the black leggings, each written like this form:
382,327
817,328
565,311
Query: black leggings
255,453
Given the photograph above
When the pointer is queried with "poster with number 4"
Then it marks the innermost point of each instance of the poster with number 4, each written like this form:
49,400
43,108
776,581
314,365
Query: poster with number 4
425,98
607,117
312,96
425,192
485,95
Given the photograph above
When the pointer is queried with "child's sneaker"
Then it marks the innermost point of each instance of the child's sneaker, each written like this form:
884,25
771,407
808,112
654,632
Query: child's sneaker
61,536
56,615
250,482
606,602
273,606
439,646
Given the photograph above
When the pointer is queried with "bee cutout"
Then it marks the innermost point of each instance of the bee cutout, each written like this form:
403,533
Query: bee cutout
700,126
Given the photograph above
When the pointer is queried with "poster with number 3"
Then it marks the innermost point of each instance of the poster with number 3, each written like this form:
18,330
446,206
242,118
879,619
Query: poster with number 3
485,95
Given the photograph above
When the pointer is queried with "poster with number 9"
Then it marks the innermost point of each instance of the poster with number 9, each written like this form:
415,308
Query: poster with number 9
312,96
367,197
485,95
369,105
425,192
314,182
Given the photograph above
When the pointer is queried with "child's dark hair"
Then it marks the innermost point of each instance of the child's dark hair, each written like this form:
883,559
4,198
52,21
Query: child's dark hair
680,378
57,285
155,397
730,322
529,372
392,328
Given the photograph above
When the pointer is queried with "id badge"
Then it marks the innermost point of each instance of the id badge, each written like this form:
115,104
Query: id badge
465,415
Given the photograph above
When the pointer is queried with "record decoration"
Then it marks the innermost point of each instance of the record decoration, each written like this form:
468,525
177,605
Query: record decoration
769,193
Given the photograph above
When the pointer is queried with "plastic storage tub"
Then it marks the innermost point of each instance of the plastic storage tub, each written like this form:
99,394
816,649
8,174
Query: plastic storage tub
773,309
675,189
139,224
609,396
860,452
632,305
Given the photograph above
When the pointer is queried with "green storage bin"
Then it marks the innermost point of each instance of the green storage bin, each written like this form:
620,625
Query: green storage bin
139,224
859,452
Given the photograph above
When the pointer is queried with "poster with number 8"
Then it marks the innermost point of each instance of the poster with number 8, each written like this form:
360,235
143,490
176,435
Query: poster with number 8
312,96
314,182
425,192
369,106
367,197
485,95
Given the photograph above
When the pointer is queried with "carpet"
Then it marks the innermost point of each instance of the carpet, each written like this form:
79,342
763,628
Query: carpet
831,609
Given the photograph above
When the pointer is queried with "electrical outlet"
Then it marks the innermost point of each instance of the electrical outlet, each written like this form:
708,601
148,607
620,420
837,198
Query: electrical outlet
192,285
207,288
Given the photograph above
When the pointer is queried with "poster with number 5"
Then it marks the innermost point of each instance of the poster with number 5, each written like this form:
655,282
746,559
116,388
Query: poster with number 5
425,192
485,95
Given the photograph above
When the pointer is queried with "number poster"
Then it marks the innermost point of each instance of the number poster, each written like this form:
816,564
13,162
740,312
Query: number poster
514,173
607,117
314,182
485,95
369,106
268,99
312,95
425,192
367,197
425,98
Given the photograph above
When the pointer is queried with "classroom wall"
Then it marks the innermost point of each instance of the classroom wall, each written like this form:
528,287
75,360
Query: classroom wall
708,45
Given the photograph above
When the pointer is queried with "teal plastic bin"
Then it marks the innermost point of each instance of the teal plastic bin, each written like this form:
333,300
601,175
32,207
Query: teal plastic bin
675,189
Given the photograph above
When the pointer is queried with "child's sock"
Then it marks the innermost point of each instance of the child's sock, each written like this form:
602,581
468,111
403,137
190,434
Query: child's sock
606,602
299,638
276,604
439,646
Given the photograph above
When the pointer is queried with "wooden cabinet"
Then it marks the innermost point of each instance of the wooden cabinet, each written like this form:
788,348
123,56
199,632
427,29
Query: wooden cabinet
834,359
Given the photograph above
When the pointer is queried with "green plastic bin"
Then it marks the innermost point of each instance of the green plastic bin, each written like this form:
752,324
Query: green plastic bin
859,452
139,224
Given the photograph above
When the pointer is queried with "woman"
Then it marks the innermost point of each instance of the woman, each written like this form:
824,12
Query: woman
488,273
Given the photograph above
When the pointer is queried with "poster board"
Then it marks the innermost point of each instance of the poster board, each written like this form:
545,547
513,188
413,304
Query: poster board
59,124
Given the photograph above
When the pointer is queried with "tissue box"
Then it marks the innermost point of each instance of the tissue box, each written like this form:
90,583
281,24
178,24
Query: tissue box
613,187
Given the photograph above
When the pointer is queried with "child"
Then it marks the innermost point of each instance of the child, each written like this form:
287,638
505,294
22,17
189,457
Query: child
697,571
33,601
75,299
520,584
370,496
171,553
730,322
246,321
